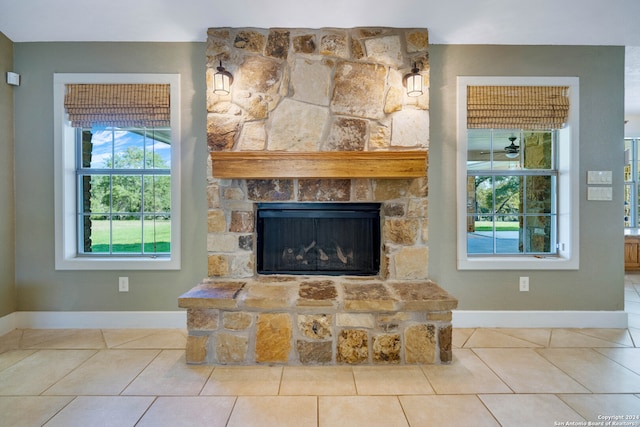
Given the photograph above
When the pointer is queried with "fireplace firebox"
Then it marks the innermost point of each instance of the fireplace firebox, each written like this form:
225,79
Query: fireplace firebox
318,238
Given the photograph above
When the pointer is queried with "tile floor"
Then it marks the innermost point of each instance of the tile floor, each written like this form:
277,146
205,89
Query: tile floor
499,377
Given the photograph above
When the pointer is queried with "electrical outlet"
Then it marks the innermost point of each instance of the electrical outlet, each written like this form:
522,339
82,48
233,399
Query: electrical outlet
524,284
123,284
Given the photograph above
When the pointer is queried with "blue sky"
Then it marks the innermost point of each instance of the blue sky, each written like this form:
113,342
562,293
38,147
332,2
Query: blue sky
123,140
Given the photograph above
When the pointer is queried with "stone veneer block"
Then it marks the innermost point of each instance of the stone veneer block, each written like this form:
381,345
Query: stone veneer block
317,352
236,320
251,41
269,296
212,295
315,326
216,221
439,316
367,297
217,265
386,348
273,338
417,41
304,44
241,222
231,348
277,44
324,190
317,293
270,190
202,319
411,263
445,338
424,295
355,320
420,344
359,90
196,350
353,346
385,49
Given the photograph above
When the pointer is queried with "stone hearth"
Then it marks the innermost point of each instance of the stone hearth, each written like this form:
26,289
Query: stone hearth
319,320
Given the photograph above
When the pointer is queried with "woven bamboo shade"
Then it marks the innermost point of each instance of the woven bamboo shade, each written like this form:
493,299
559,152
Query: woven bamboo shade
517,107
122,105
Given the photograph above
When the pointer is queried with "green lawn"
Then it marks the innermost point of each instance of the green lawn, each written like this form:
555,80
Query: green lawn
127,236
500,226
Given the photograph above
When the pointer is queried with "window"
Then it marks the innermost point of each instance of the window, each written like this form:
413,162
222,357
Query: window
517,173
631,183
117,171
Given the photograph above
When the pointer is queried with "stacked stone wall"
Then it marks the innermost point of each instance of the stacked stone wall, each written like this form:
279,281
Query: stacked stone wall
310,90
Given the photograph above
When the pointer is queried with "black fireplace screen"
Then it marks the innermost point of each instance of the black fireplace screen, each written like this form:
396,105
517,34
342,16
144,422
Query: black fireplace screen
318,238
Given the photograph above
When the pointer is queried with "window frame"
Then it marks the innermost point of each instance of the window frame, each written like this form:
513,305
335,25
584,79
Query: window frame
567,257
65,189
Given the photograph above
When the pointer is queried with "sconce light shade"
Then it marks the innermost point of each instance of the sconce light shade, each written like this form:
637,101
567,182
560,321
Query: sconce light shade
222,81
413,82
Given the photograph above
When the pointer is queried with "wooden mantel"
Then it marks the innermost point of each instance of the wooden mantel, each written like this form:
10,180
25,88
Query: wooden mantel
343,164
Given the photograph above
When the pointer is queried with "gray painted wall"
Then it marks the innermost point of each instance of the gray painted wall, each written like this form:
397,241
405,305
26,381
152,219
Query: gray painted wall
8,301
40,287
599,283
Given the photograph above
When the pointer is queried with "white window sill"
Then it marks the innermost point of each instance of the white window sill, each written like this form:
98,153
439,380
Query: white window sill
518,263
112,263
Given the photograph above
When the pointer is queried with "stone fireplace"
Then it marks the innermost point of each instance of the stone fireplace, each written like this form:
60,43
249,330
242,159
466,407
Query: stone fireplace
318,116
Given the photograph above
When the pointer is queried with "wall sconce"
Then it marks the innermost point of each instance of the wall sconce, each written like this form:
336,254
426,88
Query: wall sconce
413,82
222,81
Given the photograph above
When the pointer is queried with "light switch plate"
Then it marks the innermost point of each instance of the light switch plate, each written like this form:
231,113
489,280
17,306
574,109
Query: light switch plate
600,177
599,193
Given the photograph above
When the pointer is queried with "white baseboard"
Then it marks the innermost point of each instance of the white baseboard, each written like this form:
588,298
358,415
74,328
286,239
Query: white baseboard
8,323
94,320
178,319
539,319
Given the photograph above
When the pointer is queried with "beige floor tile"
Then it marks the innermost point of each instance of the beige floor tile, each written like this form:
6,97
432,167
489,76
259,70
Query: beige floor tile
317,380
369,411
634,321
62,339
630,295
274,411
635,336
29,411
577,338
188,412
593,406
536,336
107,372
460,336
11,357
103,411
169,375
525,371
390,380
10,340
593,370
148,338
631,278
39,371
243,381
632,306
627,357
446,411
467,374
496,338
529,410
616,336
